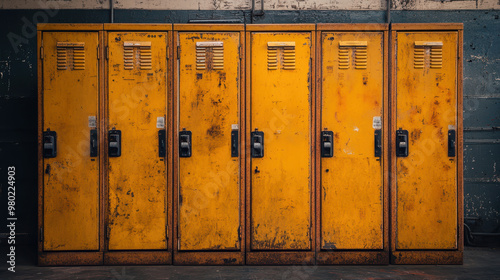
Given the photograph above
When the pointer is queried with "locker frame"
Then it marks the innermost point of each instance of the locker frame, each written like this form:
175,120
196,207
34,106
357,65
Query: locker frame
285,257
50,258
235,257
434,257
371,257
141,257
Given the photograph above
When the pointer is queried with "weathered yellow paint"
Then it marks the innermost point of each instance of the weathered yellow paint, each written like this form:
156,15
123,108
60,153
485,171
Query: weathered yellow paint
281,180
427,178
209,194
351,186
71,180
137,180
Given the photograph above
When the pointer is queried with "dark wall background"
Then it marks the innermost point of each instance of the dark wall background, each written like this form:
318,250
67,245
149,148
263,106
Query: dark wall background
18,96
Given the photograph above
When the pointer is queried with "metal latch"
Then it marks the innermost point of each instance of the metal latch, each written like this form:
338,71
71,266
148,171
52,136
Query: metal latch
162,143
378,143
451,143
326,143
257,143
185,137
49,144
93,143
115,143
401,143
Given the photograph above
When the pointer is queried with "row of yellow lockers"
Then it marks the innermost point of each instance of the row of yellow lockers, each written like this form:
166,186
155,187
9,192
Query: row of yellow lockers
250,144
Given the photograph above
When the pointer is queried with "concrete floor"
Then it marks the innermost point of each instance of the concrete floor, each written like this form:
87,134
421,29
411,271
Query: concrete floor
479,263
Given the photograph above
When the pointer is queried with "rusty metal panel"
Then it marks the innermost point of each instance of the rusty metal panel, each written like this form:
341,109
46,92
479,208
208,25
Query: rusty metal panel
209,190
137,90
281,178
70,109
426,107
352,109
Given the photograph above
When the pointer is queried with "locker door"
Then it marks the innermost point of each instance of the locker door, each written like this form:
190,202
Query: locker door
351,171
137,168
209,194
280,141
427,112
70,110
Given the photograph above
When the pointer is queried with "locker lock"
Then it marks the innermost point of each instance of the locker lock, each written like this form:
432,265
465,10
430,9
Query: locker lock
185,137
326,143
257,142
115,143
49,144
401,143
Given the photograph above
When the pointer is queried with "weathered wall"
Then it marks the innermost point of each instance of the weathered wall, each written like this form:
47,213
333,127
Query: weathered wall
247,4
18,78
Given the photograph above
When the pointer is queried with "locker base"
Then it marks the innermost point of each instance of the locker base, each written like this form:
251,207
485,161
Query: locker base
353,257
209,258
427,257
139,257
280,258
69,258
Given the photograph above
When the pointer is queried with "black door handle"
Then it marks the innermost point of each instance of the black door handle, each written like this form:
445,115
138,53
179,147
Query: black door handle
451,142
93,143
326,143
402,143
378,143
162,143
257,142
114,143
185,137
49,144
234,143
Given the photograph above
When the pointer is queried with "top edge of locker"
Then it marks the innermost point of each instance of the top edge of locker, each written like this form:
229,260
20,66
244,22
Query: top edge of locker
138,26
69,26
426,26
208,27
248,27
352,26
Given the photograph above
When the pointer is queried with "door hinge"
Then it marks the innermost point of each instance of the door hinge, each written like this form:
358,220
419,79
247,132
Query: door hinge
168,53
41,52
239,233
166,231
178,52
41,234
310,234
241,52
107,232
98,53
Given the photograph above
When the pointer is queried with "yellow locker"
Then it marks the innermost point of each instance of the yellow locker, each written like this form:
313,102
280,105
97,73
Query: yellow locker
137,142
427,145
208,189
351,144
280,123
69,145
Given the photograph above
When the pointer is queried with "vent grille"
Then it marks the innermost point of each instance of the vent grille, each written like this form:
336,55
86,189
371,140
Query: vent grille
355,51
70,55
281,52
209,55
137,54
428,54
